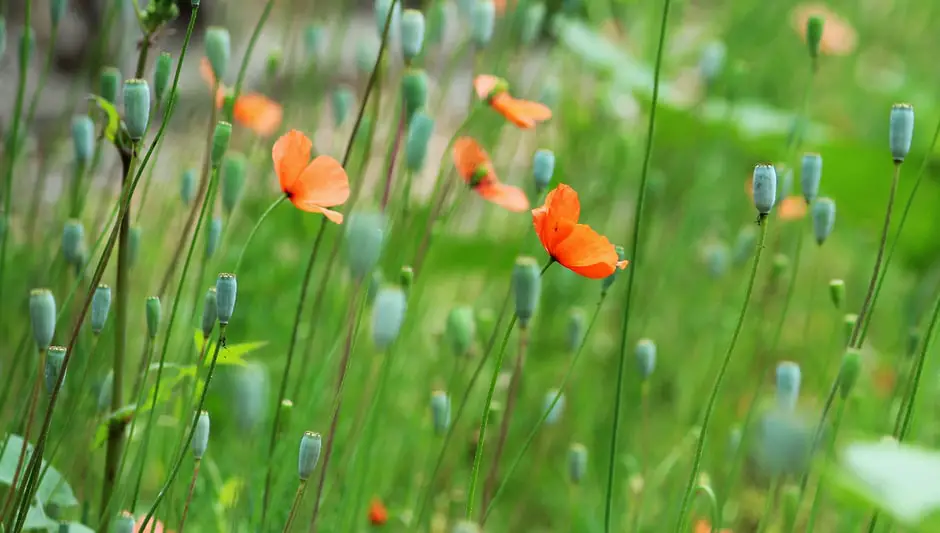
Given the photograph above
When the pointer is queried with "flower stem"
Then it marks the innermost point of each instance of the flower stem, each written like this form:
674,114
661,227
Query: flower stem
298,497
189,494
251,234
393,158
819,494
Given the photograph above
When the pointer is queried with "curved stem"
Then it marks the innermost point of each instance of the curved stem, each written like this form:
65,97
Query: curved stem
251,234
243,68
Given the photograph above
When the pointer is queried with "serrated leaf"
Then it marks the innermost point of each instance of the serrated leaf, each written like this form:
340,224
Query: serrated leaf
230,354
114,118
52,489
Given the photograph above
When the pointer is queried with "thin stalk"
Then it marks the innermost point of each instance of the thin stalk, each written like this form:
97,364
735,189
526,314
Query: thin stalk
918,372
770,506
298,497
818,496
251,234
27,427
243,69
631,276
147,183
189,494
396,147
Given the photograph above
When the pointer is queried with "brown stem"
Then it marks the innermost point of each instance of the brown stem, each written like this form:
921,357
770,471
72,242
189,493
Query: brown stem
189,495
426,237
293,508
33,400
396,147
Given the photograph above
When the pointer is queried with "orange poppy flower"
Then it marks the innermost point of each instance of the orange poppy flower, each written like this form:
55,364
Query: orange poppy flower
792,208
703,526
838,37
253,110
474,166
378,514
576,246
522,113
311,186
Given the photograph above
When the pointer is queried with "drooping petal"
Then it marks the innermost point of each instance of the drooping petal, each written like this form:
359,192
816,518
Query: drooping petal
562,202
506,196
469,157
323,182
587,253
523,113
484,85
310,207
259,113
291,155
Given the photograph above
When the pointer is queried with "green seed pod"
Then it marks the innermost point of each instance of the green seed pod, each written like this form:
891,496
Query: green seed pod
153,313
824,218
712,61
810,176
382,8
388,314
765,188
440,411
420,129
412,33
367,53
161,75
437,22
526,286
188,186
83,138
814,31
788,384
249,396
27,46
273,64
837,292
577,462
849,371
109,84
226,288
365,237
201,435
313,39
901,131
575,330
532,22
483,22
210,312
848,325
310,445
609,280
133,244
342,100
543,167
406,278
42,314
645,353
213,236
287,410
100,306
136,108
73,240
218,50
782,443
554,408
220,139
414,88
744,245
55,357
124,523
460,330
104,393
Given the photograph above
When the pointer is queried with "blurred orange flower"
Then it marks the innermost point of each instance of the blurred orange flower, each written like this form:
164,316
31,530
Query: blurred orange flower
838,38
522,113
311,186
253,110
474,166
703,526
576,246
792,208
154,526
378,514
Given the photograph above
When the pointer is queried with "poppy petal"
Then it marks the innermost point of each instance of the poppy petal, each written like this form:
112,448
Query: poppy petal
792,208
484,85
291,154
259,113
587,253
551,231
469,156
323,183
506,196
523,113
562,202
310,207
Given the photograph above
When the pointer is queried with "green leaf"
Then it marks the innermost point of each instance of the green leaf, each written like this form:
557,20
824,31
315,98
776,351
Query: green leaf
76,527
231,354
37,519
52,489
114,118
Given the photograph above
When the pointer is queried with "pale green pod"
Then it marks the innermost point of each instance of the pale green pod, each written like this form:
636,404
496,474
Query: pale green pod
213,236
765,188
810,176
73,240
532,21
901,131
133,244
460,330
388,315
414,88
848,326
161,75
782,443
849,371
105,390
575,330
717,259
55,357
309,455
226,288
188,186
313,39
552,407
42,314
526,286
437,22
788,384
100,307
136,108
412,33
483,22
286,413
712,61
381,12
744,245
824,218
367,53
218,44
220,140
837,292
440,412
153,313
109,84
249,397
124,523
645,353
342,101
420,129
210,311
83,138
543,167
201,435
577,462
365,238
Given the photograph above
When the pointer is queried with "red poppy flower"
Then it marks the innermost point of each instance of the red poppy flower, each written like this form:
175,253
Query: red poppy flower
576,246
311,186
378,514
255,111
474,166
522,113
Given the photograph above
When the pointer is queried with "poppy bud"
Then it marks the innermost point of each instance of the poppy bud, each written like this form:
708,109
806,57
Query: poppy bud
104,392
42,315
412,33
712,61
437,22
784,182
201,435
901,131
226,288
765,188
837,292
218,50
414,88
367,53
532,21
27,45
272,64
848,372
365,236
310,445
788,384
220,139
782,443
460,330
483,22
609,280
161,75
136,108
100,306
744,245
287,409
577,462
133,244
55,356
810,175
83,137
124,523
382,8
716,257
848,325
153,316
73,238
420,129
526,286
824,218
645,358
466,526
249,396
210,311
213,236
440,411
554,408
342,99
575,329
388,314
814,31
406,278
109,83
543,166
188,186
313,38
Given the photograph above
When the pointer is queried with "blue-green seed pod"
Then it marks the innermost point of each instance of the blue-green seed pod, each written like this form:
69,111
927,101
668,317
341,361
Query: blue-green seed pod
420,129
437,22
220,139
744,245
849,371
824,218
161,75
575,329
73,239
543,167
440,411
848,326
784,182
213,236
460,330
367,53
388,314
133,244
310,445
210,311
105,389
55,356
124,523
342,100
532,22
100,307
201,435
901,131
188,186
814,31
609,280
136,108
526,286
553,408
27,42
83,138
109,84
782,444
153,312
218,50
412,33
717,259
765,188
42,313
577,462
483,22
365,237
273,63
381,15
286,413
226,288
313,39
788,384
249,396
810,176
837,292
414,88
712,61
645,353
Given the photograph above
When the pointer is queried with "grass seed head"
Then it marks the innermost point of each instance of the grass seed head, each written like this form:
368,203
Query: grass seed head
201,435
218,44
210,311
901,131
55,356
526,286
310,445
824,218
226,288
100,306
220,140
42,315
153,313
420,129
543,167
645,353
412,33
136,107
810,176
83,138
440,411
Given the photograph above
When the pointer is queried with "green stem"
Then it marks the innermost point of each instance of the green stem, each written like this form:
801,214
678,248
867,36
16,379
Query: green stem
770,506
298,497
818,496
27,425
189,494
251,234
908,413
